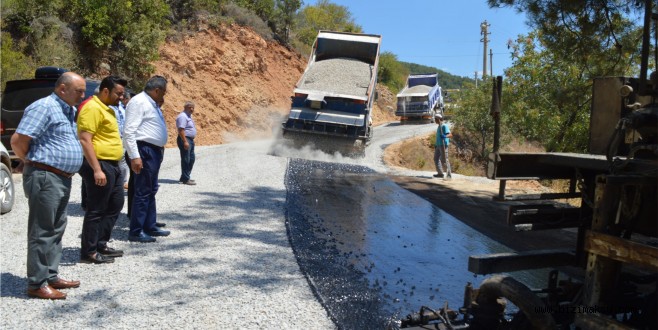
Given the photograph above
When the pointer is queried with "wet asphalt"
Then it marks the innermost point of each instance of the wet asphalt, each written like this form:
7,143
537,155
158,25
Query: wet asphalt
374,252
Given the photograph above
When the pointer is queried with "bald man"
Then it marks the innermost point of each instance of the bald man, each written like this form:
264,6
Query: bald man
46,140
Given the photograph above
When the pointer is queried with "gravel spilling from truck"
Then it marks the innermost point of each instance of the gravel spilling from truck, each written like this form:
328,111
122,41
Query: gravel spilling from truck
418,89
339,75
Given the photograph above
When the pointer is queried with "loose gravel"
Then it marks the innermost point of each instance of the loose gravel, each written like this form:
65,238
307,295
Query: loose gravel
416,89
227,264
339,75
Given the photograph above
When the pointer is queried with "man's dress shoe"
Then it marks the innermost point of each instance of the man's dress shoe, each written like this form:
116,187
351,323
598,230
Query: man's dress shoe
159,232
61,283
46,292
141,238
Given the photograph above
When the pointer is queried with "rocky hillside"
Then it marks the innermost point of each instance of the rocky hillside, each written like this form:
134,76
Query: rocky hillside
241,84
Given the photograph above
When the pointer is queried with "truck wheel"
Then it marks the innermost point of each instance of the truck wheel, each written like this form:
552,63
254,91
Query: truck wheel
6,189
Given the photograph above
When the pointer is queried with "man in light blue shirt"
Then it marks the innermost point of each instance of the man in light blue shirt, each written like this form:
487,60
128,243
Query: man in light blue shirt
441,146
144,137
47,142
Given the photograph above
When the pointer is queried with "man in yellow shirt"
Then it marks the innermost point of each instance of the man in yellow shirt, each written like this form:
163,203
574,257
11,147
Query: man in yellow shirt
99,135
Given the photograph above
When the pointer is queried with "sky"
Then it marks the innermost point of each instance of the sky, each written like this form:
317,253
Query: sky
439,33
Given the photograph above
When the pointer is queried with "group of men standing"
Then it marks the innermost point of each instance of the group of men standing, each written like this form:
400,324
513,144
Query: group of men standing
54,146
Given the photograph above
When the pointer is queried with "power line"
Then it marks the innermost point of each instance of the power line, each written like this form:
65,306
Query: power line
504,53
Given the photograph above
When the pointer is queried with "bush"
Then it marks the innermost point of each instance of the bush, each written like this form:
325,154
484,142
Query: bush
52,44
15,65
248,18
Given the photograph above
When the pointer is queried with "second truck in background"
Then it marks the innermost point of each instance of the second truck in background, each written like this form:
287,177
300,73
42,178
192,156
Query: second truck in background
421,97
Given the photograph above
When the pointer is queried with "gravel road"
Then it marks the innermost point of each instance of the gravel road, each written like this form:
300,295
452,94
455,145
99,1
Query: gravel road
227,264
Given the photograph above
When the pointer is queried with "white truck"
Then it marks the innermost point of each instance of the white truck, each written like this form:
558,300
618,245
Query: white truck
421,97
335,95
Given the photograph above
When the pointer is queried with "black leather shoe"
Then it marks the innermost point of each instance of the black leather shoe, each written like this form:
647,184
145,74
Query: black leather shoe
97,258
110,252
141,238
159,232
160,224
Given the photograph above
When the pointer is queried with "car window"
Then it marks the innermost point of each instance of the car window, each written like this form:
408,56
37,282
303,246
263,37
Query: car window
20,99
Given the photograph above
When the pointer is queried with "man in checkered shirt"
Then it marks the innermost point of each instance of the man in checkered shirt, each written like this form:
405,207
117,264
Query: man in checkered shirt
46,140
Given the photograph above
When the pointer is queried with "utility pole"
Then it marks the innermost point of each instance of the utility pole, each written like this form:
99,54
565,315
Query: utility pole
490,62
484,32
476,79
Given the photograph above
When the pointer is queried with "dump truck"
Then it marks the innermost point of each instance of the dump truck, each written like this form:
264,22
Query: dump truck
334,97
608,278
420,98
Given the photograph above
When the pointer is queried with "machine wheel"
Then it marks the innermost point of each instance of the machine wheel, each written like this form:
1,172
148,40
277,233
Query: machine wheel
507,287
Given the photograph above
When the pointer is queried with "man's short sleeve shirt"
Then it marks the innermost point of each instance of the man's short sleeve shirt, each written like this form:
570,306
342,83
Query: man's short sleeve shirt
50,122
98,119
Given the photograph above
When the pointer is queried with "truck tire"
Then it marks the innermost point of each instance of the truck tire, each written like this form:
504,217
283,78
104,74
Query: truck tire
6,189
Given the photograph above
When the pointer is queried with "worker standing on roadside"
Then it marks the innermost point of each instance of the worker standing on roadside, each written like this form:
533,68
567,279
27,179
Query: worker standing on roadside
145,134
441,146
46,141
98,129
185,140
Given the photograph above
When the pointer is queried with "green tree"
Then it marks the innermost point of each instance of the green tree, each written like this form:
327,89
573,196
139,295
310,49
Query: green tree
285,12
125,33
324,16
601,37
14,64
263,8
472,118
546,98
391,73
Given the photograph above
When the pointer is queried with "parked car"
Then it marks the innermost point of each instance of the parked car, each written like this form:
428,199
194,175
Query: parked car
18,94
6,182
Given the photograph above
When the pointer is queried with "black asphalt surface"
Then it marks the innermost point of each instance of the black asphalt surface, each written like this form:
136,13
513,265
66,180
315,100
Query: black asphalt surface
374,252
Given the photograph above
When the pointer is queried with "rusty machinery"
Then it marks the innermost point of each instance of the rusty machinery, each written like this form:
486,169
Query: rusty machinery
612,270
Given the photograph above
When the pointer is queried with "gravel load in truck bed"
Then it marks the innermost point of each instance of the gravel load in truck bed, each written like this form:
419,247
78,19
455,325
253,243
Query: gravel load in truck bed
416,89
339,75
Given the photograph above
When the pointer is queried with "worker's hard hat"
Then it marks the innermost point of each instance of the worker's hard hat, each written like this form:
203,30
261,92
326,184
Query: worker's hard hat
438,116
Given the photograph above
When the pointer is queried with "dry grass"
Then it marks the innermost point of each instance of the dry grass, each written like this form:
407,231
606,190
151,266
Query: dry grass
418,154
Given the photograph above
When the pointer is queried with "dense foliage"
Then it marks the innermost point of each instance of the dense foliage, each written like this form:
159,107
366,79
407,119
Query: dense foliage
123,36
392,73
446,80
323,16
548,88
472,118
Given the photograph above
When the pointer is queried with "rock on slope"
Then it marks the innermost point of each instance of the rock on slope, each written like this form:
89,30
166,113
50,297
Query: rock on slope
241,83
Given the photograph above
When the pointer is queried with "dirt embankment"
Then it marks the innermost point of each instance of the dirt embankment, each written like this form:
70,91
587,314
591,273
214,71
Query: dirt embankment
241,83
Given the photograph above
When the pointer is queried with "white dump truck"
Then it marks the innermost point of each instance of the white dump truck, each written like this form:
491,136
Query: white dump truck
335,95
421,97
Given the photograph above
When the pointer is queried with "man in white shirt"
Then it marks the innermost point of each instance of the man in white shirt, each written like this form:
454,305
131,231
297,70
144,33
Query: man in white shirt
145,134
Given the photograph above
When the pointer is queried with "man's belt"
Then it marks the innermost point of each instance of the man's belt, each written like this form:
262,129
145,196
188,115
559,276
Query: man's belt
48,168
149,144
